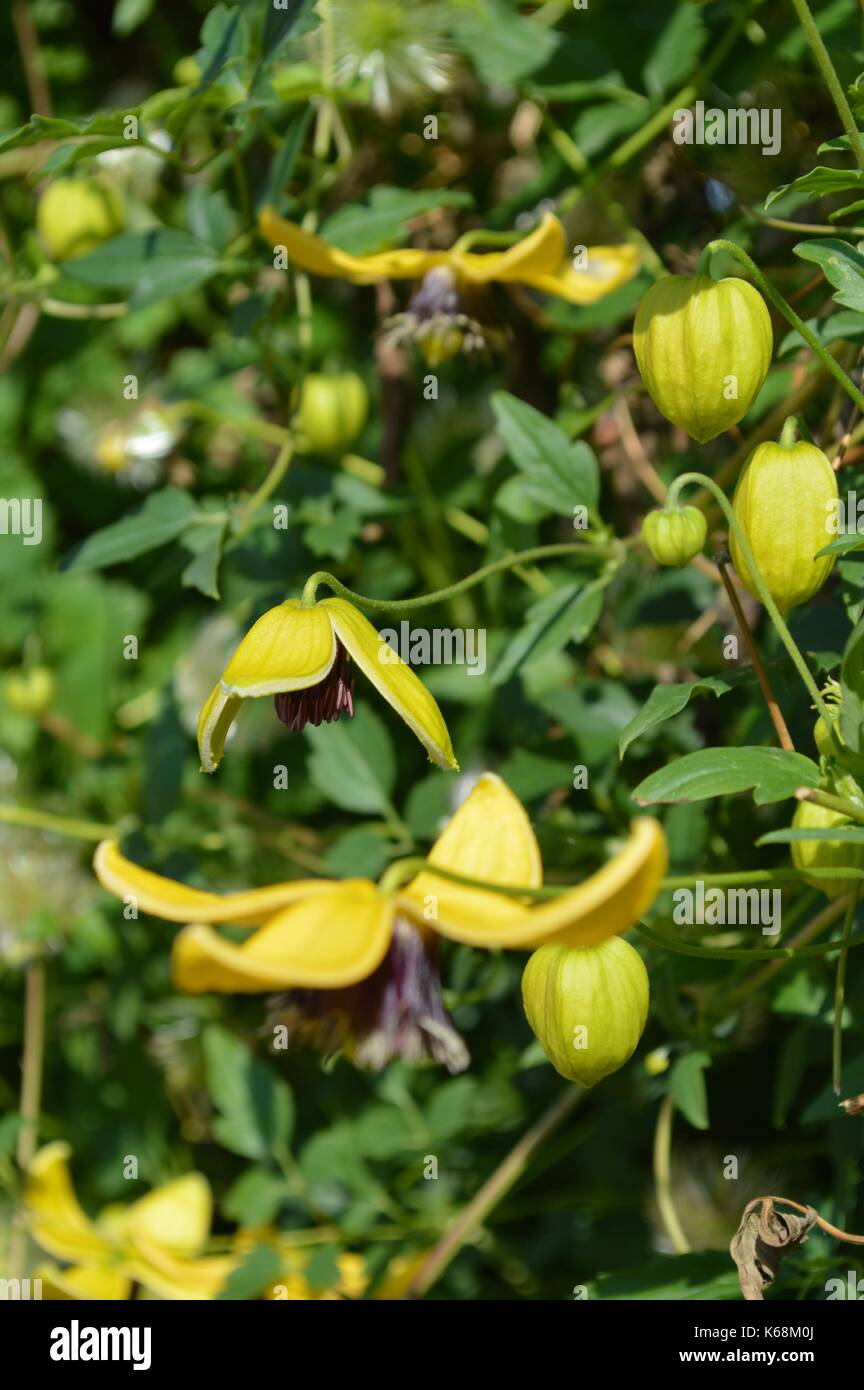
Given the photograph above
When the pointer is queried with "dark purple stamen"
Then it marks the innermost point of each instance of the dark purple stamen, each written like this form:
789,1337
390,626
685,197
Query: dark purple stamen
321,703
397,1012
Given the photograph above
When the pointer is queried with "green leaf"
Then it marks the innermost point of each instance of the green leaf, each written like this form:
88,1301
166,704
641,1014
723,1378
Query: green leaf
664,702
256,1108
160,519
675,53
279,24
852,686
845,834
773,773
566,615
258,1270
560,474
504,47
687,1087
224,40
360,228
202,571
353,763
842,266
282,164
702,1277
819,182
844,324
129,15
256,1197
153,265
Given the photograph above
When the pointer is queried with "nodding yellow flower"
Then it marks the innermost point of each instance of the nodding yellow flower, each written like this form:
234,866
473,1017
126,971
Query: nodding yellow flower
540,260
452,281
302,655
154,1241
358,959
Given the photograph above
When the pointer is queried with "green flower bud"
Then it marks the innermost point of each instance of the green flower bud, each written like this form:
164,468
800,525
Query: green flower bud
827,854
587,1006
703,348
332,412
782,502
675,535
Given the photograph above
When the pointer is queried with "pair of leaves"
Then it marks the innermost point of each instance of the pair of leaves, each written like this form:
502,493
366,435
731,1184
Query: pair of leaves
559,473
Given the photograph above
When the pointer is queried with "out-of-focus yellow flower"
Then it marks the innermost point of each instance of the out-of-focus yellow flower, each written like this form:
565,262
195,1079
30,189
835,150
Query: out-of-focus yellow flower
446,316
540,261
358,958
154,1241
302,655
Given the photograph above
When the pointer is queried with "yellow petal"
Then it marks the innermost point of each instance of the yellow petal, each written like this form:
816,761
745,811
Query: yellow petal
168,1276
542,252
175,1217
217,715
489,838
57,1222
318,257
607,903
606,270
289,648
90,1285
176,902
335,939
392,678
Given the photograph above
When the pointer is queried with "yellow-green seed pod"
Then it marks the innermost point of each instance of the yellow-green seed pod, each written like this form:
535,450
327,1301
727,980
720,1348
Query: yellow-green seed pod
332,411
825,854
703,347
75,216
784,500
587,1006
674,535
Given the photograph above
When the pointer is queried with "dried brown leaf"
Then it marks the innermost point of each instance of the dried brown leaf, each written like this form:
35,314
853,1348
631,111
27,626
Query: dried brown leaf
763,1238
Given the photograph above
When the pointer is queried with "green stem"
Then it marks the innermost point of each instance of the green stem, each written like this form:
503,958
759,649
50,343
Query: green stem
745,952
269,485
257,429
492,1191
407,605
831,365
756,876
773,611
841,804
832,81
61,825
684,948
840,991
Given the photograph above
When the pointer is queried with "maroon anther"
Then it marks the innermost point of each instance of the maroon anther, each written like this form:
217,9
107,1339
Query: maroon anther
321,703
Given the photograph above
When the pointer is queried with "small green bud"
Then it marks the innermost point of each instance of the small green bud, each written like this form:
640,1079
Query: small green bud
675,535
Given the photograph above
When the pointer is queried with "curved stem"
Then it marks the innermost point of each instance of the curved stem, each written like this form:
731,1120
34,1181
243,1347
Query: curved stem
277,472
840,992
492,1191
773,611
786,310
663,1177
407,605
832,81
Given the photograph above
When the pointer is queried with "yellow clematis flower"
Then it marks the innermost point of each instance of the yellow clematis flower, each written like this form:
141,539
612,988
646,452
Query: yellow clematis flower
154,1242
540,261
302,654
358,959
451,280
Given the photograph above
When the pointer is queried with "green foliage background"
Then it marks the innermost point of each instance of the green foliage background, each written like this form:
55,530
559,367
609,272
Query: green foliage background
546,107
